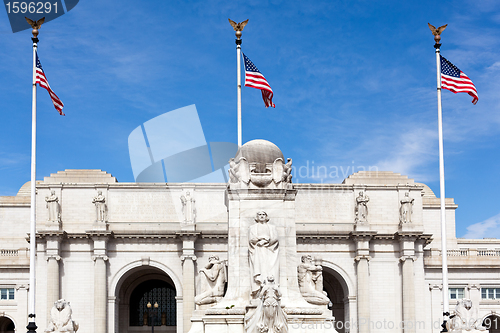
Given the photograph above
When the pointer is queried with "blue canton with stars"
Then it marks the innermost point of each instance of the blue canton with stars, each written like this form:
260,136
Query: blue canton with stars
447,68
249,66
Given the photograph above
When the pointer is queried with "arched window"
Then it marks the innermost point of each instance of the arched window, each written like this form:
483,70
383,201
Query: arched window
153,291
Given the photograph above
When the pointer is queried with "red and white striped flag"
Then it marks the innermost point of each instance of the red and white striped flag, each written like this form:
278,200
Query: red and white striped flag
255,79
453,79
41,79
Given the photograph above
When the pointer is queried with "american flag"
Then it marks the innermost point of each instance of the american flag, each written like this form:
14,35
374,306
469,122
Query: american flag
255,79
42,81
453,79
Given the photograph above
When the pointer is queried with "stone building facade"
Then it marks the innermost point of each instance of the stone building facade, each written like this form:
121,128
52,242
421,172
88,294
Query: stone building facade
109,248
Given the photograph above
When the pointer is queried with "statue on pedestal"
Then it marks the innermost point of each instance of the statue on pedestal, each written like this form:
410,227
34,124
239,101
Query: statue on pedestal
362,207
52,204
406,209
311,281
188,208
263,252
100,206
268,317
466,318
60,318
212,280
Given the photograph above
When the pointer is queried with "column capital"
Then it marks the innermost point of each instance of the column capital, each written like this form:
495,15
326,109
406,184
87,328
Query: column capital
53,256
435,287
103,257
22,286
407,257
191,257
362,257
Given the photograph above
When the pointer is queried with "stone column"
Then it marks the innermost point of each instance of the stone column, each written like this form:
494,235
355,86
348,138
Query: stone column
362,240
408,294
407,246
52,250
52,282
22,305
363,295
100,280
436,307
188,287
100,284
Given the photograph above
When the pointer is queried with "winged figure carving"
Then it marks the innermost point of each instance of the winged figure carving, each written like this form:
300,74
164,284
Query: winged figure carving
438,31
35,24
238,26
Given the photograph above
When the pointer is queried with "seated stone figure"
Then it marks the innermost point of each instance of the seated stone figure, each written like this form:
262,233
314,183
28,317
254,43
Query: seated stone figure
60,318
311,281
212,280
465,319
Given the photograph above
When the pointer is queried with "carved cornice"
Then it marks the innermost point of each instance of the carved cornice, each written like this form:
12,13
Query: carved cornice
285,194
44,234
362,235
189,235
138,235
99,233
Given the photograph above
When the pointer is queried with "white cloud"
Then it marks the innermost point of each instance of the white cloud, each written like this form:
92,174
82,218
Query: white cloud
411,153
488,228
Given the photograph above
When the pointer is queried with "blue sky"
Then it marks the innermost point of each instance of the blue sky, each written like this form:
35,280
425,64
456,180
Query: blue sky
354,86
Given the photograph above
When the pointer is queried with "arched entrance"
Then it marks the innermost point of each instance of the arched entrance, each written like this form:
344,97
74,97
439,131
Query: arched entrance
143,286
492,323
6,325
337,291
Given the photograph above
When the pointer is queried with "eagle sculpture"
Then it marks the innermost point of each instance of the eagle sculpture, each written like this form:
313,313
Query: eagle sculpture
35,25
238,26
437,32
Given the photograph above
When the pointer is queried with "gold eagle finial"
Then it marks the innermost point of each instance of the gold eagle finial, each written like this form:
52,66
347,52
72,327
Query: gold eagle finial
437,32
238,27
35,25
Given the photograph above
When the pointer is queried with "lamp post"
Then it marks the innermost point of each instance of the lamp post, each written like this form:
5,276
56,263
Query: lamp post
152,314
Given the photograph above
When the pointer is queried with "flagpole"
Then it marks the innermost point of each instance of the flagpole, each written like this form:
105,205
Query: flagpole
32,292
444,251
238,83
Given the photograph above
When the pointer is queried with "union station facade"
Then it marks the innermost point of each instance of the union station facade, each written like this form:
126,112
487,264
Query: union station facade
111,248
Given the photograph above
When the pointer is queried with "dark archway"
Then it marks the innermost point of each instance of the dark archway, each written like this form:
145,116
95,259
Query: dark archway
140,286
6,325
336,290
492,323
153,292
